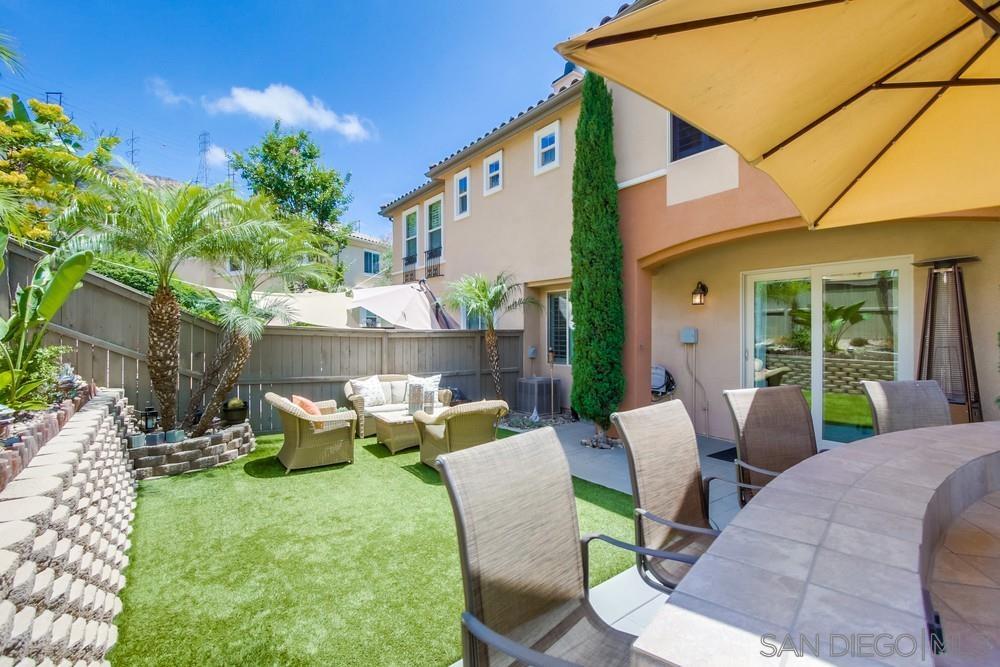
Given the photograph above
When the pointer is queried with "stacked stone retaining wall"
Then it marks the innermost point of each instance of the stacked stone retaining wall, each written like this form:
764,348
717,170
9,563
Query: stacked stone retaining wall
208,451
840,375
65,519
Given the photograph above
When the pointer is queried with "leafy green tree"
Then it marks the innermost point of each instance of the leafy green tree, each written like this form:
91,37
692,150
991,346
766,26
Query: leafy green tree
42,162
286,167
488,300
166,226
268,260
596,252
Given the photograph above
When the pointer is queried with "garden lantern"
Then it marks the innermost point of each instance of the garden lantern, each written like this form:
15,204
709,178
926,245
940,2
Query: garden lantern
150,418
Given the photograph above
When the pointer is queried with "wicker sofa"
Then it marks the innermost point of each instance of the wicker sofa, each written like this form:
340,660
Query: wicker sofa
394,387
456,428
314,440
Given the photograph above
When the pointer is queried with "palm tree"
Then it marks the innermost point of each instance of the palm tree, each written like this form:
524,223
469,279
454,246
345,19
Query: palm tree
290,255
166,226
488,300
7,54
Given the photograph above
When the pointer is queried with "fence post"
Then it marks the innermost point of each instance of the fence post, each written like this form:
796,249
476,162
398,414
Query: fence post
385,353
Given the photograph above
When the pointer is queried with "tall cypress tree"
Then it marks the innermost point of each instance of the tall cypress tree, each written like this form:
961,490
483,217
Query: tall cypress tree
596,250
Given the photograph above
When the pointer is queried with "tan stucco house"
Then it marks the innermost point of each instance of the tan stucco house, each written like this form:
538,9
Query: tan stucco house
692,211
362,259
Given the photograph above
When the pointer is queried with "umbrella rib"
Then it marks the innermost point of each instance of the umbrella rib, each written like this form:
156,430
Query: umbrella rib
856,96
937,84
983,15
698,24
927,105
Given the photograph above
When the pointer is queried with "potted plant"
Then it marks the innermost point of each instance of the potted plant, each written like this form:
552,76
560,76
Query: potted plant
234,411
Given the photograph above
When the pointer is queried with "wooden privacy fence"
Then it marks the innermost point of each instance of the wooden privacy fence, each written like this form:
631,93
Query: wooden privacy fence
104,325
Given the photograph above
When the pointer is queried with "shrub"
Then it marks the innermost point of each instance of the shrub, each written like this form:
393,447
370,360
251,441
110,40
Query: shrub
859,341
196,301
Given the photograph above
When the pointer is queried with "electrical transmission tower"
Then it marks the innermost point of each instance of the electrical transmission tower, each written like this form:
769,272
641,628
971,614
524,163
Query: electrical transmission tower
53,97
204,141
230,174
133,148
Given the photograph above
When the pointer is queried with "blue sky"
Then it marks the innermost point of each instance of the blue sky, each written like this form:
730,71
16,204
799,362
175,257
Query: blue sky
387,88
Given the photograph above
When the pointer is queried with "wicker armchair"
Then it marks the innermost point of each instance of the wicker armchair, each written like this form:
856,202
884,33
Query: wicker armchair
524,563
394,388
314,440
905,405
456,428
774,431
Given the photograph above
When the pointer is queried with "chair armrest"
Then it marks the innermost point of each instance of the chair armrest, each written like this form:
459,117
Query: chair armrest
508,646
645,551
327,407
343,415
444,396
676,525
424,418
762,471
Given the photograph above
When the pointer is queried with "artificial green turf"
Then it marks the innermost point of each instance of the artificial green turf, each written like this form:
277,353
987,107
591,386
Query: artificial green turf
344,565
850,409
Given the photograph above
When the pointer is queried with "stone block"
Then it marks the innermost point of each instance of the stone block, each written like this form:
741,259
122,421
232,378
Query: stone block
192,443
228,455
216,438
184,457
150,461
204,462
176,435
171,469
155,438
213,450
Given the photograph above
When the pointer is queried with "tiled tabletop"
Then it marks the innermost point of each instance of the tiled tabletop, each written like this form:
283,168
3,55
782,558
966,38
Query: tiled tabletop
834,550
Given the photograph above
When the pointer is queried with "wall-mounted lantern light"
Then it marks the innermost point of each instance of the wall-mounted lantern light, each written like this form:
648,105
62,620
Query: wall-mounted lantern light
698,295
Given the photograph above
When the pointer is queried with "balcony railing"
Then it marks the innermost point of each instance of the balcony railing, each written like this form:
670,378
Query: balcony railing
432,263
410,260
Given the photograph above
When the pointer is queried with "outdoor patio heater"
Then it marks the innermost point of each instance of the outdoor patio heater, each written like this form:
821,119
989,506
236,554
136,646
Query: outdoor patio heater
946,353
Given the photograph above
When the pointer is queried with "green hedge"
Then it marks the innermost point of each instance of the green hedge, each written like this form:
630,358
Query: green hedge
194,300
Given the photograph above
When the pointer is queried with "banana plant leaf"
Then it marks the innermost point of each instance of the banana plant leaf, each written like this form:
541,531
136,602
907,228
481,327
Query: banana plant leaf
62,284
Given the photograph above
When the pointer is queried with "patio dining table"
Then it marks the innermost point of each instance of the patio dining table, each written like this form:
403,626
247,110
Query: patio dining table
833,559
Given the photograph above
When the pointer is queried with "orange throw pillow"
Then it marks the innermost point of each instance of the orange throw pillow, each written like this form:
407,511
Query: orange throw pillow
307,405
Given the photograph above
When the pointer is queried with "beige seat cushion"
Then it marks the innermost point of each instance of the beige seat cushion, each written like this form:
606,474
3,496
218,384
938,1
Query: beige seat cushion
388,407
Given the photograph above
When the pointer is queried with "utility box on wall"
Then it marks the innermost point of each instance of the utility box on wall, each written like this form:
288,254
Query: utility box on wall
539,393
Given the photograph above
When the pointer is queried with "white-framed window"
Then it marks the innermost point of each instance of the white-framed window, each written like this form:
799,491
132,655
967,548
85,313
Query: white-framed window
462,194
472,320
368,318
546,153
410,237
493,174
434,215
560,327
371,262
234,265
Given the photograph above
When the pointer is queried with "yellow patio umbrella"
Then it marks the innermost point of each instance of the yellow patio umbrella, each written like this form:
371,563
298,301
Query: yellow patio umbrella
861,110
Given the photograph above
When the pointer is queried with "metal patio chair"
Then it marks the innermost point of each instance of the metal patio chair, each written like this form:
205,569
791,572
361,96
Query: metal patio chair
671,498
774,431
906,404
524,564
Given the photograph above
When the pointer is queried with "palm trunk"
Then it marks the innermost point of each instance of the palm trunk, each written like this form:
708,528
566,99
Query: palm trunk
493,355
164,319
240,356
210,380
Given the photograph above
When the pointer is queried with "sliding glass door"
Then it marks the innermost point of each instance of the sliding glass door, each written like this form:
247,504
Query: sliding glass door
826,328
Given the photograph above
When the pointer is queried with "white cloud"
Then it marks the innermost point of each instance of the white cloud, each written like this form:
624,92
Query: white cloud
284,103
163,92
216,156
